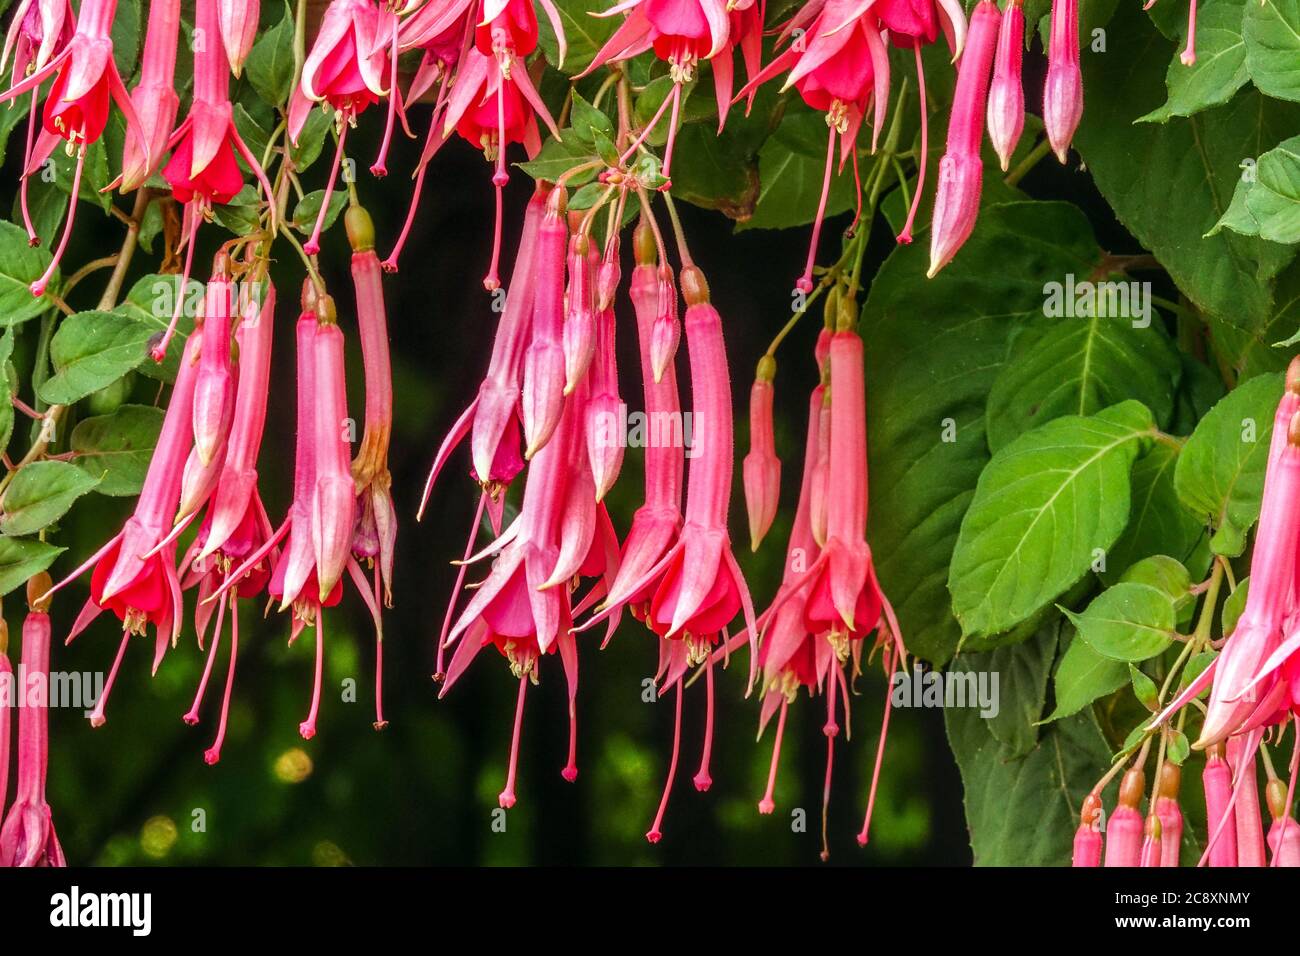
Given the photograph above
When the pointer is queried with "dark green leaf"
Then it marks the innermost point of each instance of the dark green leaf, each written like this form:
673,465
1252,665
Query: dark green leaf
21,558
116,448
41,493
20,266
1128,622
91,350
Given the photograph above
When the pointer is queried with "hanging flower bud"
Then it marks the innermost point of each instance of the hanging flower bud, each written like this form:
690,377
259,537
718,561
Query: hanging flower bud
1217,780
762,469
666,334
1171,817
1087,838
238,20
1007,92
334,503
1063,90
1151,843
543,394
1284,834
1250,826
1124,829
579,336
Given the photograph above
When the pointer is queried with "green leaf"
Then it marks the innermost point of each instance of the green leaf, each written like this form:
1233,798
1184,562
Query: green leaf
927,443
1220,471
1078,367
308,208
1042,508
41,493
1272,33
1220,67
557,157
1082,677
20,266
311,140
1170,183
1230,614
1023,811
1128,622
7,389
1178,749
91,350
790,180
116,448
151,301
585,34
1144,688
21,558
1267,204
1021,689
270,62
1160,523
126,36
586,121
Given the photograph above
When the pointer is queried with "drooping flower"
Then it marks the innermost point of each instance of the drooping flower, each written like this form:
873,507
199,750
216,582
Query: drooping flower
1248,820
762,468
155,98
76,110
1063,89
203,170
1007,92
961,170
840,66
27,837
238,22
542,400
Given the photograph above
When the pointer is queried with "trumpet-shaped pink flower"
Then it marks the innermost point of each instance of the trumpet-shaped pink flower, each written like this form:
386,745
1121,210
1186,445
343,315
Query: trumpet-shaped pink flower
840,66
961,171
1007,93
762,469
1063,89
27,837
76,111
155,98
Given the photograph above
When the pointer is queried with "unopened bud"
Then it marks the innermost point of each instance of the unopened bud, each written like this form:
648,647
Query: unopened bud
38,591
695,288
360,228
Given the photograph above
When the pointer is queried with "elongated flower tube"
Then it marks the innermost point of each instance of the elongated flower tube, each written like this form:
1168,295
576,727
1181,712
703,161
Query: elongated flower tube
27,837
76,110
666,332
1246,691
1087,838
155,98
1284,833
1151,842
238,22
1217,780
334,500
1063,89
961,170
579,338
377,516
1124,829
656,524
543,390
1171,817
1007,92
1245,804
605,441
762,469
214,389
203,170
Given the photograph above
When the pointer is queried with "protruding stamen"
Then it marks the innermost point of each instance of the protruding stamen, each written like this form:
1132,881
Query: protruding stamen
96,715
655,833
702,779
906,235
213,753
308,727
507,796
805,283
767,804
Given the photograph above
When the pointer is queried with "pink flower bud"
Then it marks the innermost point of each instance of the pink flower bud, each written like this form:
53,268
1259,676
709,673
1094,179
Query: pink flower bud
1151,842
1171,817
1249,824
1124,828
544,376
1063,90
214,389
334,503
1284,834
666,334
1087,838
1007,94
580,324
762,468
238,19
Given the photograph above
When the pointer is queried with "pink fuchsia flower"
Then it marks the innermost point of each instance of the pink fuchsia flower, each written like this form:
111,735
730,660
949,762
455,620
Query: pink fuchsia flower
133,577
346,71
543,400
1087,838
76,111
376,534
1217,781
681,33
1284,833
6,679
840,66
155,98
1124,829
1171,817
27,837
961,170
203,170
579,334
762,469
603,414
1006,114
1063,89
1247,691
238,22
39,31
